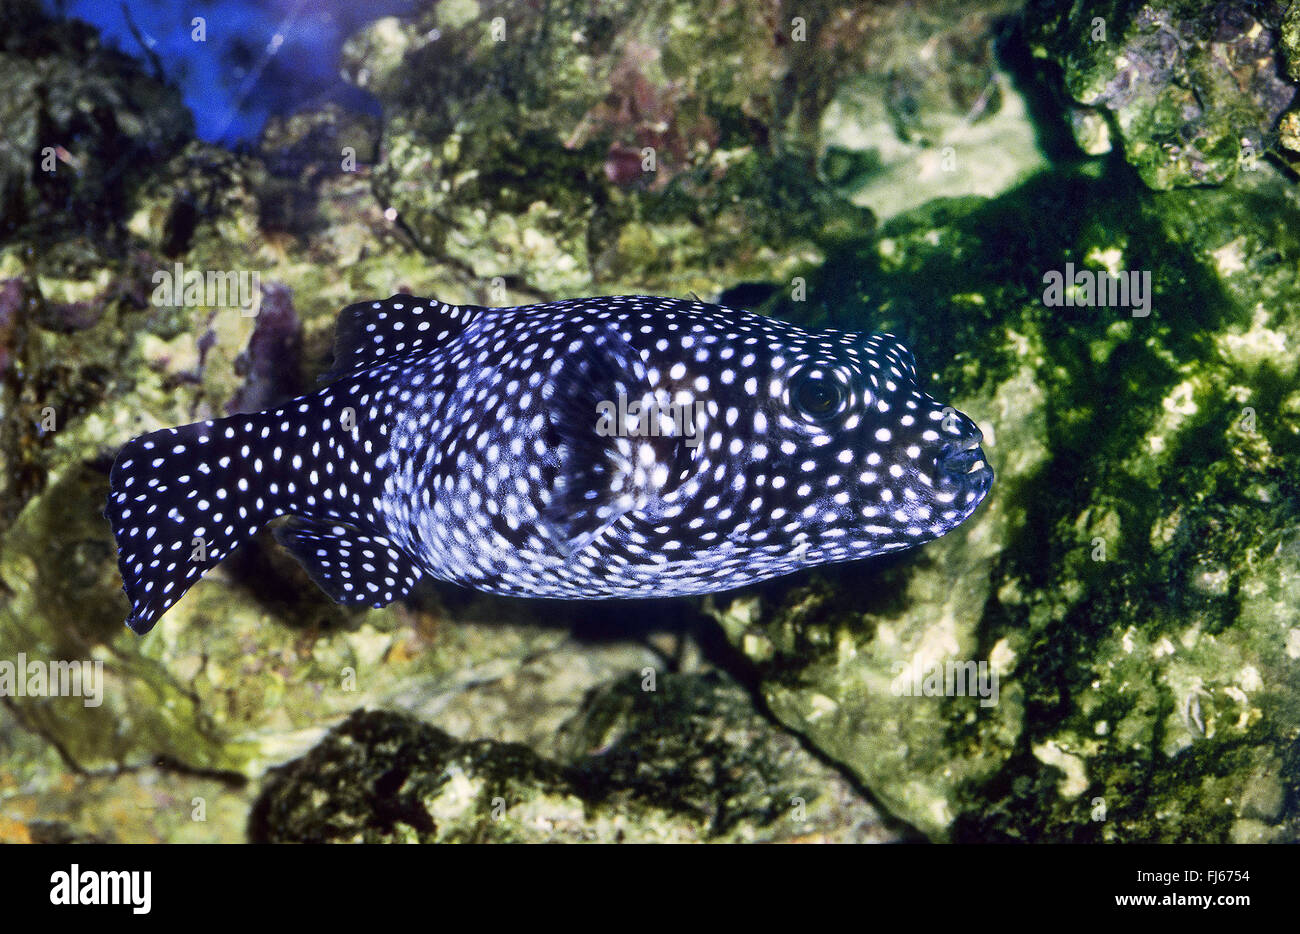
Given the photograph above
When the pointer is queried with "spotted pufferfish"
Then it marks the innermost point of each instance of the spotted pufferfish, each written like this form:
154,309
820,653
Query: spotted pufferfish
623,446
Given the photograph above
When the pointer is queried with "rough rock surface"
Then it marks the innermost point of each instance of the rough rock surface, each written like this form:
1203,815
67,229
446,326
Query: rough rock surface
1195,91
677,759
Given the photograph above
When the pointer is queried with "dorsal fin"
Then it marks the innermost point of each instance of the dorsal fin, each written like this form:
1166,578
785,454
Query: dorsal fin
375,332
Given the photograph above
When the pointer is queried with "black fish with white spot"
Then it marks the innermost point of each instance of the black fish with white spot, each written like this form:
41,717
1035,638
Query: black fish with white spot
606,447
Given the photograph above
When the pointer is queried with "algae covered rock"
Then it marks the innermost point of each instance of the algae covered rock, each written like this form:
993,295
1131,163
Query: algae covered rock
935,112
684,759
1194,91
1106,651
1126,582
550,148
75,146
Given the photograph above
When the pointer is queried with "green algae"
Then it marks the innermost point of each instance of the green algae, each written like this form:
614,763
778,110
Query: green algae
1142,694
681,758
1194,91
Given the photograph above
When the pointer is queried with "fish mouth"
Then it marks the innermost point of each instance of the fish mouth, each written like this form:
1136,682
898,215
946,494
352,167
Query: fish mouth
965,462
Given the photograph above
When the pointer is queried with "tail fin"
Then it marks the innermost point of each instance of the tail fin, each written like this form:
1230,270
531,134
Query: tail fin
181,499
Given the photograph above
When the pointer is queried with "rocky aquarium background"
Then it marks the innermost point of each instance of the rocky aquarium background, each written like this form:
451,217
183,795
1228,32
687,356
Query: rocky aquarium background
1133,580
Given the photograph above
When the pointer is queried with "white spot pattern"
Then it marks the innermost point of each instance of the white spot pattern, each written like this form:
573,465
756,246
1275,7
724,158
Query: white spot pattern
471,454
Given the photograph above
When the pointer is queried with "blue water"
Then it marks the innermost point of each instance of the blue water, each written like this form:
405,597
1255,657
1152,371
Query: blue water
259,57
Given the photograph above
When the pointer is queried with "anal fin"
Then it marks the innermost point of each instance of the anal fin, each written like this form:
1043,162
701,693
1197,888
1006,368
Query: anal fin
352,566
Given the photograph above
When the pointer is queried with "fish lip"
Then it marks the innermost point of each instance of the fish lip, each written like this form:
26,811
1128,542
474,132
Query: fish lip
958,461
981,478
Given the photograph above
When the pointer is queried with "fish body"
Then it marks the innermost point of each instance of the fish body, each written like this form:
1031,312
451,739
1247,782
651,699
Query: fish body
622,446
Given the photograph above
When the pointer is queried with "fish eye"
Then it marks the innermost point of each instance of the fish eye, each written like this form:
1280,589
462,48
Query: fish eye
817,395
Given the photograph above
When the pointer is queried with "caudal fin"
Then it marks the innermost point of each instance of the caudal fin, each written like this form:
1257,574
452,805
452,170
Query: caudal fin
181,499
